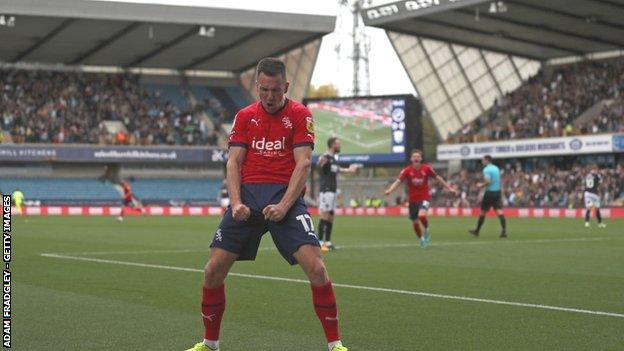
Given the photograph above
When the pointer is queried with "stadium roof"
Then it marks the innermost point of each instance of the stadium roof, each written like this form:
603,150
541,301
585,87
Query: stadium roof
461,55
535,29
79,32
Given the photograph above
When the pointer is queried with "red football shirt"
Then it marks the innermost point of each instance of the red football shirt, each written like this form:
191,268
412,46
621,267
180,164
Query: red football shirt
418,181
270,140
127,190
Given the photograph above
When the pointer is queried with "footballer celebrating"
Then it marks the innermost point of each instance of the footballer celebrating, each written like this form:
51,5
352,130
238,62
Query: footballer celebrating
417,175
591,197
270,152
328,170
129,200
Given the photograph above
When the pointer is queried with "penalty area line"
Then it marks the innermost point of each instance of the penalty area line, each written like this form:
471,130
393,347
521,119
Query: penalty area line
347,286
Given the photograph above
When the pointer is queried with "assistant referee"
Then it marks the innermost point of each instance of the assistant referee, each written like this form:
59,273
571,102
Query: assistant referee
491,197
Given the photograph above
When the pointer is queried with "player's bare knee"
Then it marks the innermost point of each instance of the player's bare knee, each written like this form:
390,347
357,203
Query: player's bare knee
214,273
318,273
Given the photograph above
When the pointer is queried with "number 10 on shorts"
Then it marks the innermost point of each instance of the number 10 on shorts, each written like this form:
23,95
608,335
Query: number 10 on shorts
306,221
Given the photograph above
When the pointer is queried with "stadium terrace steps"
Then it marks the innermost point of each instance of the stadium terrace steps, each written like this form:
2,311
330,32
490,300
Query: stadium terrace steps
592,112
224,98
238,96
58,189
168,92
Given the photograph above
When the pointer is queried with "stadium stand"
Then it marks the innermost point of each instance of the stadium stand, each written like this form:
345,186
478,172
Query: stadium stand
551,187
91,191
63,190
68,107
609,119
523,187
548,104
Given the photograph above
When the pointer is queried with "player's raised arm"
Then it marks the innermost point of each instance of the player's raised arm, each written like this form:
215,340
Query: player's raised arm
303,161
446,185
351,169
393,187
322,160
236,156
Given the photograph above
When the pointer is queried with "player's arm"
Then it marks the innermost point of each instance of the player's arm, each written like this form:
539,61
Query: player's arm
446,185
322,161
393,186
486,181
237,154
298,179
351,169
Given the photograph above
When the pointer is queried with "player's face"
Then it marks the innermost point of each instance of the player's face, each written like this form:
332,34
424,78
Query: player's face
336,146
416,158
271,91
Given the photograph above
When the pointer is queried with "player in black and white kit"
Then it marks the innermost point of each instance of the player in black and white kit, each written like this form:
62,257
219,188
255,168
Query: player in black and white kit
591,197
328,171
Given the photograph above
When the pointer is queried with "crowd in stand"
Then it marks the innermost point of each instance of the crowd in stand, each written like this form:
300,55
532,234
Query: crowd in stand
548,104
69,107
540,188
217,111
610,119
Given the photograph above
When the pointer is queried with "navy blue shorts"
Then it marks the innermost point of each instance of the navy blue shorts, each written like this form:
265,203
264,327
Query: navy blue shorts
128,202
243,237
415,207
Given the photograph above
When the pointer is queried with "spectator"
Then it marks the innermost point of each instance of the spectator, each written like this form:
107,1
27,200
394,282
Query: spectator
68,107
525,188
547,104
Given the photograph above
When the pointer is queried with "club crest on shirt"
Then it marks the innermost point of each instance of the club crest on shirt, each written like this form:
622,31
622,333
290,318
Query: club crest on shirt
310,124
287,122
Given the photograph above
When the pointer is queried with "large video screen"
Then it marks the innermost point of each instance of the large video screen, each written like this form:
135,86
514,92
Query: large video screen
370,129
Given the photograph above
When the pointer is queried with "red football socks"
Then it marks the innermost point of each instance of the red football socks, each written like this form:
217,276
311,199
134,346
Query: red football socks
213,306
325,307
424,221
417,229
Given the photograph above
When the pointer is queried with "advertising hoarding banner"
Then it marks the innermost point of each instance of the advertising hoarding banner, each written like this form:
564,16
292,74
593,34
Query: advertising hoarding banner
582,144
107,154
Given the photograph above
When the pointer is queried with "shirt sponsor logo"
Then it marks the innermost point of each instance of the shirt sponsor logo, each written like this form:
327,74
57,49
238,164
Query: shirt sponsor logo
418,181
269,145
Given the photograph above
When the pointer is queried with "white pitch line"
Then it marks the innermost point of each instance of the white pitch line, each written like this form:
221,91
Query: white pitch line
489,242
126,252
364,246
348,286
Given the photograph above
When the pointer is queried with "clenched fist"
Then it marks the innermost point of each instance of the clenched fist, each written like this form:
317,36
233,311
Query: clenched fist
240,212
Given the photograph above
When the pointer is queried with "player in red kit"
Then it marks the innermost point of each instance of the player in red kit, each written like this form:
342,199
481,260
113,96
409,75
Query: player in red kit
417,175
129,201
270,152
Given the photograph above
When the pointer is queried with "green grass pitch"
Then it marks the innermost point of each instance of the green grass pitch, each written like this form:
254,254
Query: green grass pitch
357,136
140,289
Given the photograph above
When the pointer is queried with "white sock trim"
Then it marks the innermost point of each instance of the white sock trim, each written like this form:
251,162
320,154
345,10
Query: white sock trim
332,344
213,344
